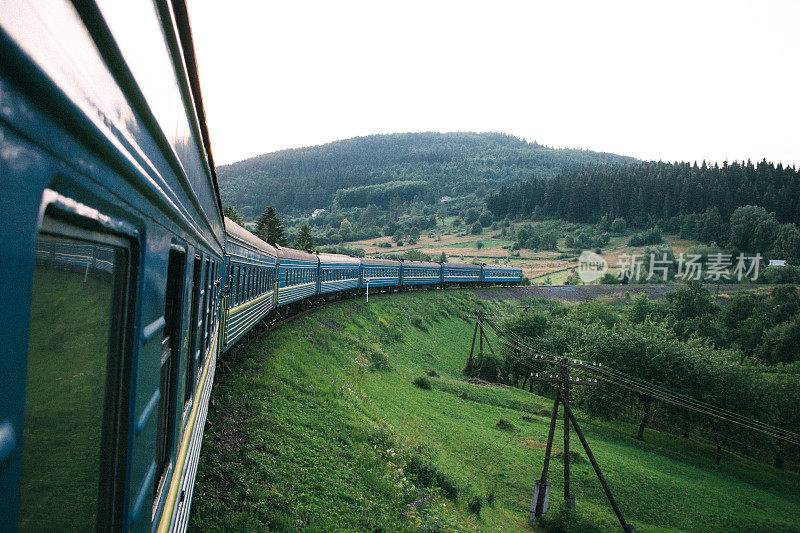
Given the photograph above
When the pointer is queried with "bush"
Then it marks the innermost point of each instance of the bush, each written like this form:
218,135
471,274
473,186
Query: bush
379,362
505,425
422,382
476,229
619,225
651,236
475,505
479,245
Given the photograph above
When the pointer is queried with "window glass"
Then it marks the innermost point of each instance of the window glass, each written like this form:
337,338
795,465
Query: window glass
75,329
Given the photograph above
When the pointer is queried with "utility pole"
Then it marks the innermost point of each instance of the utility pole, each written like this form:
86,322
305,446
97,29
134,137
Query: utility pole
541,491
479,316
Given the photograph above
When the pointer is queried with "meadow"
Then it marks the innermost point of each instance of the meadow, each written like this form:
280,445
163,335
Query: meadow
357,417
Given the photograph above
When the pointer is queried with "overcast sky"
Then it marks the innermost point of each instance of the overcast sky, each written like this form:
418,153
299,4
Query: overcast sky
656,80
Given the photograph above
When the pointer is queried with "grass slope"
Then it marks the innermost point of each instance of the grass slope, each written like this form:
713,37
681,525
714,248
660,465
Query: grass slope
318,427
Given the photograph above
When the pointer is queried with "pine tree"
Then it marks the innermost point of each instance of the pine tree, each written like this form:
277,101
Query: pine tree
270,228
304,239
233,214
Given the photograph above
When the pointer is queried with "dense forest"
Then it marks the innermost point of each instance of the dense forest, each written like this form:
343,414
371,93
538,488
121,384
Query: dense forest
650,193
428,165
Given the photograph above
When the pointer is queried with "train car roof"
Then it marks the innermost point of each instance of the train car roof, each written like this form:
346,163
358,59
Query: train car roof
291,253
235,230
338,259
379,262
421,264
460,265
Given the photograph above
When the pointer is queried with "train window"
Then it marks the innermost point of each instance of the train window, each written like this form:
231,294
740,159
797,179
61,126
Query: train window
201,317
206,306
245,282
75,374
168,382
194,342
239,284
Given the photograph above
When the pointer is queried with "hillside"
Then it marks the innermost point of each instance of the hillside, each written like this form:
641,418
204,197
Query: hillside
431,165
328,432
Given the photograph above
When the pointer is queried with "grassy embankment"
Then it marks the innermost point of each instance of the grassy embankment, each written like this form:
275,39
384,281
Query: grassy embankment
318,427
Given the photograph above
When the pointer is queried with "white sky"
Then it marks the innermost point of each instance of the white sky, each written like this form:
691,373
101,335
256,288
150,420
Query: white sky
668,80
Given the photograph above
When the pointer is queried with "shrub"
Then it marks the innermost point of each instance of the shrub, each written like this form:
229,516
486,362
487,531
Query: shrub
422,382
651,236
379,362
505,425
476,229
475,505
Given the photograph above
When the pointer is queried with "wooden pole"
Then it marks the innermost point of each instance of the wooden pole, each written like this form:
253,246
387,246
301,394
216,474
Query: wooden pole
627,528
480,321
568,498
543,480
472,349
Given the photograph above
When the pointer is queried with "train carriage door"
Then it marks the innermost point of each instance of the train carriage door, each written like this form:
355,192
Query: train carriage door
168,383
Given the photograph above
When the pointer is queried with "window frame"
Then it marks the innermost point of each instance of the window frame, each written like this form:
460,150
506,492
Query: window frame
60,216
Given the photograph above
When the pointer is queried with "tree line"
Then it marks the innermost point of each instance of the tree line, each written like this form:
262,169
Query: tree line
697,200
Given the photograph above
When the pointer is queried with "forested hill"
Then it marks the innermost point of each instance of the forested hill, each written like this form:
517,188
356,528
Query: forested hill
650,193
429,165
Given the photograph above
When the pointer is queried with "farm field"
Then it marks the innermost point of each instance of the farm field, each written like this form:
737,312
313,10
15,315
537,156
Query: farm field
319,426
538,266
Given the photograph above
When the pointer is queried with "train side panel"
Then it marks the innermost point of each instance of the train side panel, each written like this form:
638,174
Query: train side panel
252,275
461,273
338,273
417,273
380,273
114,237
297,275
504,275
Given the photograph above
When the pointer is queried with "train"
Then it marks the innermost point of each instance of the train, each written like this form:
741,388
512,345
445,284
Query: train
265,283
120,279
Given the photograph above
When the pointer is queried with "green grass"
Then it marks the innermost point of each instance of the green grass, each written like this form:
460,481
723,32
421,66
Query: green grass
304,434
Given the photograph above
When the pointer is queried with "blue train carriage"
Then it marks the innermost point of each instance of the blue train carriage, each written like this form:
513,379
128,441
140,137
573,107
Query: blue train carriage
111,260
460,274
338,274
298,272
380,274
250,287
502,275
420,273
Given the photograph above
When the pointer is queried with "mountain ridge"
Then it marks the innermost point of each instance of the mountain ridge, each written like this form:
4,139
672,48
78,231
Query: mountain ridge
448,164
